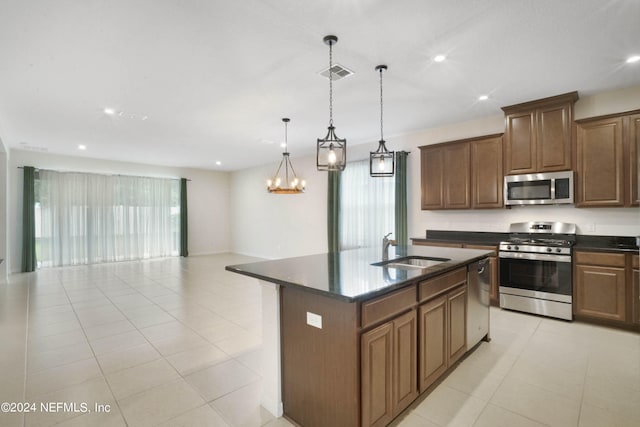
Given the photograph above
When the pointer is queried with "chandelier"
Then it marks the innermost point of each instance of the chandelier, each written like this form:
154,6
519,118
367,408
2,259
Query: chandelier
381,161
289,183
331,151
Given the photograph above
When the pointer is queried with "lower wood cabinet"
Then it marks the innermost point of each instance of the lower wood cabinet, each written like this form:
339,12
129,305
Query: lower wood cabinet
635,282
433,341
389,369
443,337
600,283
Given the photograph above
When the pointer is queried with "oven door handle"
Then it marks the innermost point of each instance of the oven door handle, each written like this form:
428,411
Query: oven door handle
535,257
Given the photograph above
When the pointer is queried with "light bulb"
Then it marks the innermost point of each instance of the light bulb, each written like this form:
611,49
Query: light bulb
331,157
381,164
278,181
269,182
304,183
295,182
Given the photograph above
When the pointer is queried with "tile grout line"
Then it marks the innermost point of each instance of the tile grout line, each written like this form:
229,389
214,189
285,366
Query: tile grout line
26,350
93,352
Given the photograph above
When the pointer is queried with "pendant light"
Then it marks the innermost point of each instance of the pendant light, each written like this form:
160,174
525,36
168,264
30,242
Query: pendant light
331,150
289,184
381,161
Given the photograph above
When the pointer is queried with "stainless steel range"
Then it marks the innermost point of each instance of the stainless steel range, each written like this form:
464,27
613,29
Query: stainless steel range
536,268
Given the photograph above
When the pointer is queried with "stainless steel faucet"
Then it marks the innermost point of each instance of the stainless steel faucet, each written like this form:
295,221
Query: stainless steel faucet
385,246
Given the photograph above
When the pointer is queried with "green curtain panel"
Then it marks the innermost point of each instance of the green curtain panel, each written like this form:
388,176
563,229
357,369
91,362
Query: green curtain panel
29,220
333,211
184,242
401,198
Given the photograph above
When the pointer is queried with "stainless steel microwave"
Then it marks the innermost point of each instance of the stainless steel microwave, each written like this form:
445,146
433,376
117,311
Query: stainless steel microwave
551,188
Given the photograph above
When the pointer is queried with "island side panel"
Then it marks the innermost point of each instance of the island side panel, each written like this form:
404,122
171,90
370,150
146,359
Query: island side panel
320,367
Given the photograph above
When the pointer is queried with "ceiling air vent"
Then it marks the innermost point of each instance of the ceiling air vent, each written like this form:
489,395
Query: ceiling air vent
338,71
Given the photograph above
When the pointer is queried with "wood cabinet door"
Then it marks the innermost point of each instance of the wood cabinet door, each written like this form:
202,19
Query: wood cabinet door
600,292
494,284
433,341
432,178
635,287
487,175
376,375
634,158
520,143
553,143
457,182
405,361
600,171
456,324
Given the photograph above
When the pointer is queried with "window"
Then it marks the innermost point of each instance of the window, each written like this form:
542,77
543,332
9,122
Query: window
366,207
88,218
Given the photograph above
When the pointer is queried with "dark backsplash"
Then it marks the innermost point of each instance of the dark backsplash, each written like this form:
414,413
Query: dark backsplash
491,238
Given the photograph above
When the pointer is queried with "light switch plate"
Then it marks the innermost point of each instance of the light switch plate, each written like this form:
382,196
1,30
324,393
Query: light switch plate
314,320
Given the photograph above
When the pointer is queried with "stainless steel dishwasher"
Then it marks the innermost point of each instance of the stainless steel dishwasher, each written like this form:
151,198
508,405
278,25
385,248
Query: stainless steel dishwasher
478,278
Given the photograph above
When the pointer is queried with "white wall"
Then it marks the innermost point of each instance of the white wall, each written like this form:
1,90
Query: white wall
275,225
4,245
207,195
278,226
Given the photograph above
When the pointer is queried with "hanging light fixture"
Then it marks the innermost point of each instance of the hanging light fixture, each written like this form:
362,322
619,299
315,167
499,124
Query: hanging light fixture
290,183
381,161
331,150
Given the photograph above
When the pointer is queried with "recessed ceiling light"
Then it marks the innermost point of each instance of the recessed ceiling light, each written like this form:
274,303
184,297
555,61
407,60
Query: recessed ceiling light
109,111
218,163
82,147
632,59
440,58
483,97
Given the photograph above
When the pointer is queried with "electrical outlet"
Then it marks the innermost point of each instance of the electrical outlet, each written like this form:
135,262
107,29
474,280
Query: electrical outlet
314,320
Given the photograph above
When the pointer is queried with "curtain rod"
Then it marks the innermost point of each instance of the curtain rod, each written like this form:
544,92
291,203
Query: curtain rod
104,174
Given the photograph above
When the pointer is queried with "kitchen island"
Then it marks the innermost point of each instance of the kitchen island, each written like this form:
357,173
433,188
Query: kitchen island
350,339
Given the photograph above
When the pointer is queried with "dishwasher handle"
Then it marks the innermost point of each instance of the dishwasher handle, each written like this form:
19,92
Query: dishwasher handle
482,265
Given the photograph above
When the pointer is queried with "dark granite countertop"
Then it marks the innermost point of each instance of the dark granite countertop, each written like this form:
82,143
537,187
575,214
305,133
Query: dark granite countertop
468,237
349,275
613,244
619,244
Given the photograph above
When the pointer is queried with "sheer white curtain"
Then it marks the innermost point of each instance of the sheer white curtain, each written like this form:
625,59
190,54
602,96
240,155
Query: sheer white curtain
367,207
88,218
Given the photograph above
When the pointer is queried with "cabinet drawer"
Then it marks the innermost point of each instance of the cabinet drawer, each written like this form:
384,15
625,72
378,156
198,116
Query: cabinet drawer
388,305
600,258
433,287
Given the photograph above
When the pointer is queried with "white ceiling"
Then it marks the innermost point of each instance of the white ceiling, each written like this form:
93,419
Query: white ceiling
215,77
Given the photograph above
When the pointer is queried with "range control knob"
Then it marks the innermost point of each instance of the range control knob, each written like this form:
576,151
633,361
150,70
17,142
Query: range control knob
558,250
549,249
516,248
509,247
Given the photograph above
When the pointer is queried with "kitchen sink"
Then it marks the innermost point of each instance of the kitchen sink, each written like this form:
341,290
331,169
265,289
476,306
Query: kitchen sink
411,262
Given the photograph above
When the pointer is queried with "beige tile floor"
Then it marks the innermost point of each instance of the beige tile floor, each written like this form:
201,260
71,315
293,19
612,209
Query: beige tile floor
175,342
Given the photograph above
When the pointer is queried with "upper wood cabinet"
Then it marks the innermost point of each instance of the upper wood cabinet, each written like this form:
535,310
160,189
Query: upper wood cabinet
538,135
607,161
446,176
633,133
486,172
462,174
